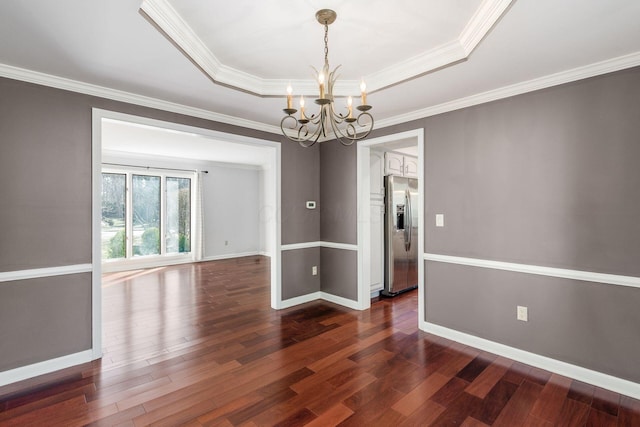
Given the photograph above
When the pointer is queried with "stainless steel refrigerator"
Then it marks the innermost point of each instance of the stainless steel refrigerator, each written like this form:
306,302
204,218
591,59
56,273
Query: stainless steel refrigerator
400,234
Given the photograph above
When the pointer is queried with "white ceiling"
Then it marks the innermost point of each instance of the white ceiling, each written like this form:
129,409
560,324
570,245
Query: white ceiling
121,137
112,48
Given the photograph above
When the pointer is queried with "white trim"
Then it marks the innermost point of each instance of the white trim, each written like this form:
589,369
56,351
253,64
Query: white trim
291,302
344,246
129,97
96,232
140,264
272,200
10,276
579,73
41,368
364,214
586,276
345,302
319,295
319,244
303,245
481,23
599,379
230,256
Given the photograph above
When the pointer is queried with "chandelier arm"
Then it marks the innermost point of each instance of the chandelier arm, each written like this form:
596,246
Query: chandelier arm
337,117
339,135
304,137
350,131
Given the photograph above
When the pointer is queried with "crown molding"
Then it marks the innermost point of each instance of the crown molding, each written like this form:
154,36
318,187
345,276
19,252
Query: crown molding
167,19
22,74
481,23
575,74
592,70
418,65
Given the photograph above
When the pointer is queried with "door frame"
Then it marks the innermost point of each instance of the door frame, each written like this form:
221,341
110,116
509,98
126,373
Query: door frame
270,209
364,216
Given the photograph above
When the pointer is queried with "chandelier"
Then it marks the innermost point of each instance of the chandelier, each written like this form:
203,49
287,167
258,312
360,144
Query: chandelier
344,126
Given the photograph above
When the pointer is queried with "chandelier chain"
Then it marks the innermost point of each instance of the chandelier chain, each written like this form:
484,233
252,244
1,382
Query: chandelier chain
326,44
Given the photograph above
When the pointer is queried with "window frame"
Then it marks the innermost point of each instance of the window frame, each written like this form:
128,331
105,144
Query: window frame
130,260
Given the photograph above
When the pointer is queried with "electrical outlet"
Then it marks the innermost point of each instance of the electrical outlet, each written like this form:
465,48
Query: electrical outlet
522,314
226,243
314,270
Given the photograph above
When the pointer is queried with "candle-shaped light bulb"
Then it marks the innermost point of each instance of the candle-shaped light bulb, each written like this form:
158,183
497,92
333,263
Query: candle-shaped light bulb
350,107
321,82
289,97
363,92
302,107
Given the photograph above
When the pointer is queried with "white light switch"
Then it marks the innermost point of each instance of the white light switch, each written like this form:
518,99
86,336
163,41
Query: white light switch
439,220
522,314
314,270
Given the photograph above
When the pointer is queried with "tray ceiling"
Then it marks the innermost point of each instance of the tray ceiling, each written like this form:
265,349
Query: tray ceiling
261,47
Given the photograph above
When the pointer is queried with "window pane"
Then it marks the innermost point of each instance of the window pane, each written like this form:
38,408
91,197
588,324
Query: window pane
178,239
113,215
146,214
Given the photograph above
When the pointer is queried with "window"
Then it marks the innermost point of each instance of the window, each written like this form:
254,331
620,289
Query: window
152,219
145,201
178,231
113,215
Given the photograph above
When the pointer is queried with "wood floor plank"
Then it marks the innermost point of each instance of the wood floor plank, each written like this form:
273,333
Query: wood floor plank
332,416
519,406
199,345
484,382
410,402
551,399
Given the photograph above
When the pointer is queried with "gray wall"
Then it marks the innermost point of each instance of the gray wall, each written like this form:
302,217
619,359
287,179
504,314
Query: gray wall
45,167
40,155
297,276
44,318
300,183
339,272
548,178
338,200
338,221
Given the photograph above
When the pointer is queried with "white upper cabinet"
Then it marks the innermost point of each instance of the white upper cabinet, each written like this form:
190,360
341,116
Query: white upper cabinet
401,165
394,164
410,167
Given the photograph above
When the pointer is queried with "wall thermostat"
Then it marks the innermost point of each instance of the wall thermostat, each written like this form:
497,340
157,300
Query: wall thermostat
311,204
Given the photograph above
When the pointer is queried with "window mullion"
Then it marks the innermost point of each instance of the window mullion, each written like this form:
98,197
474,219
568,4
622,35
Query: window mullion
129,216
163,214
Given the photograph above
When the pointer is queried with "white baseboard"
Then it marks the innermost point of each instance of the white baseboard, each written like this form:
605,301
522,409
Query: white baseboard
137,264
46,367
301,299
345,302
229,256
579,373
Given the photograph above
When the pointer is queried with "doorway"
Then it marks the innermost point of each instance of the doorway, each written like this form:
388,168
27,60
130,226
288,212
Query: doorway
369,256
208,145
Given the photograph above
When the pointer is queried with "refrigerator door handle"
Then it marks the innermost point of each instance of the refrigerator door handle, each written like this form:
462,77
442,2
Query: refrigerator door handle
408,223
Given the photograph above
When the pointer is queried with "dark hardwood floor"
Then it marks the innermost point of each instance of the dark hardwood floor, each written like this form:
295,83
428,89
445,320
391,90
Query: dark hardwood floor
198,345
